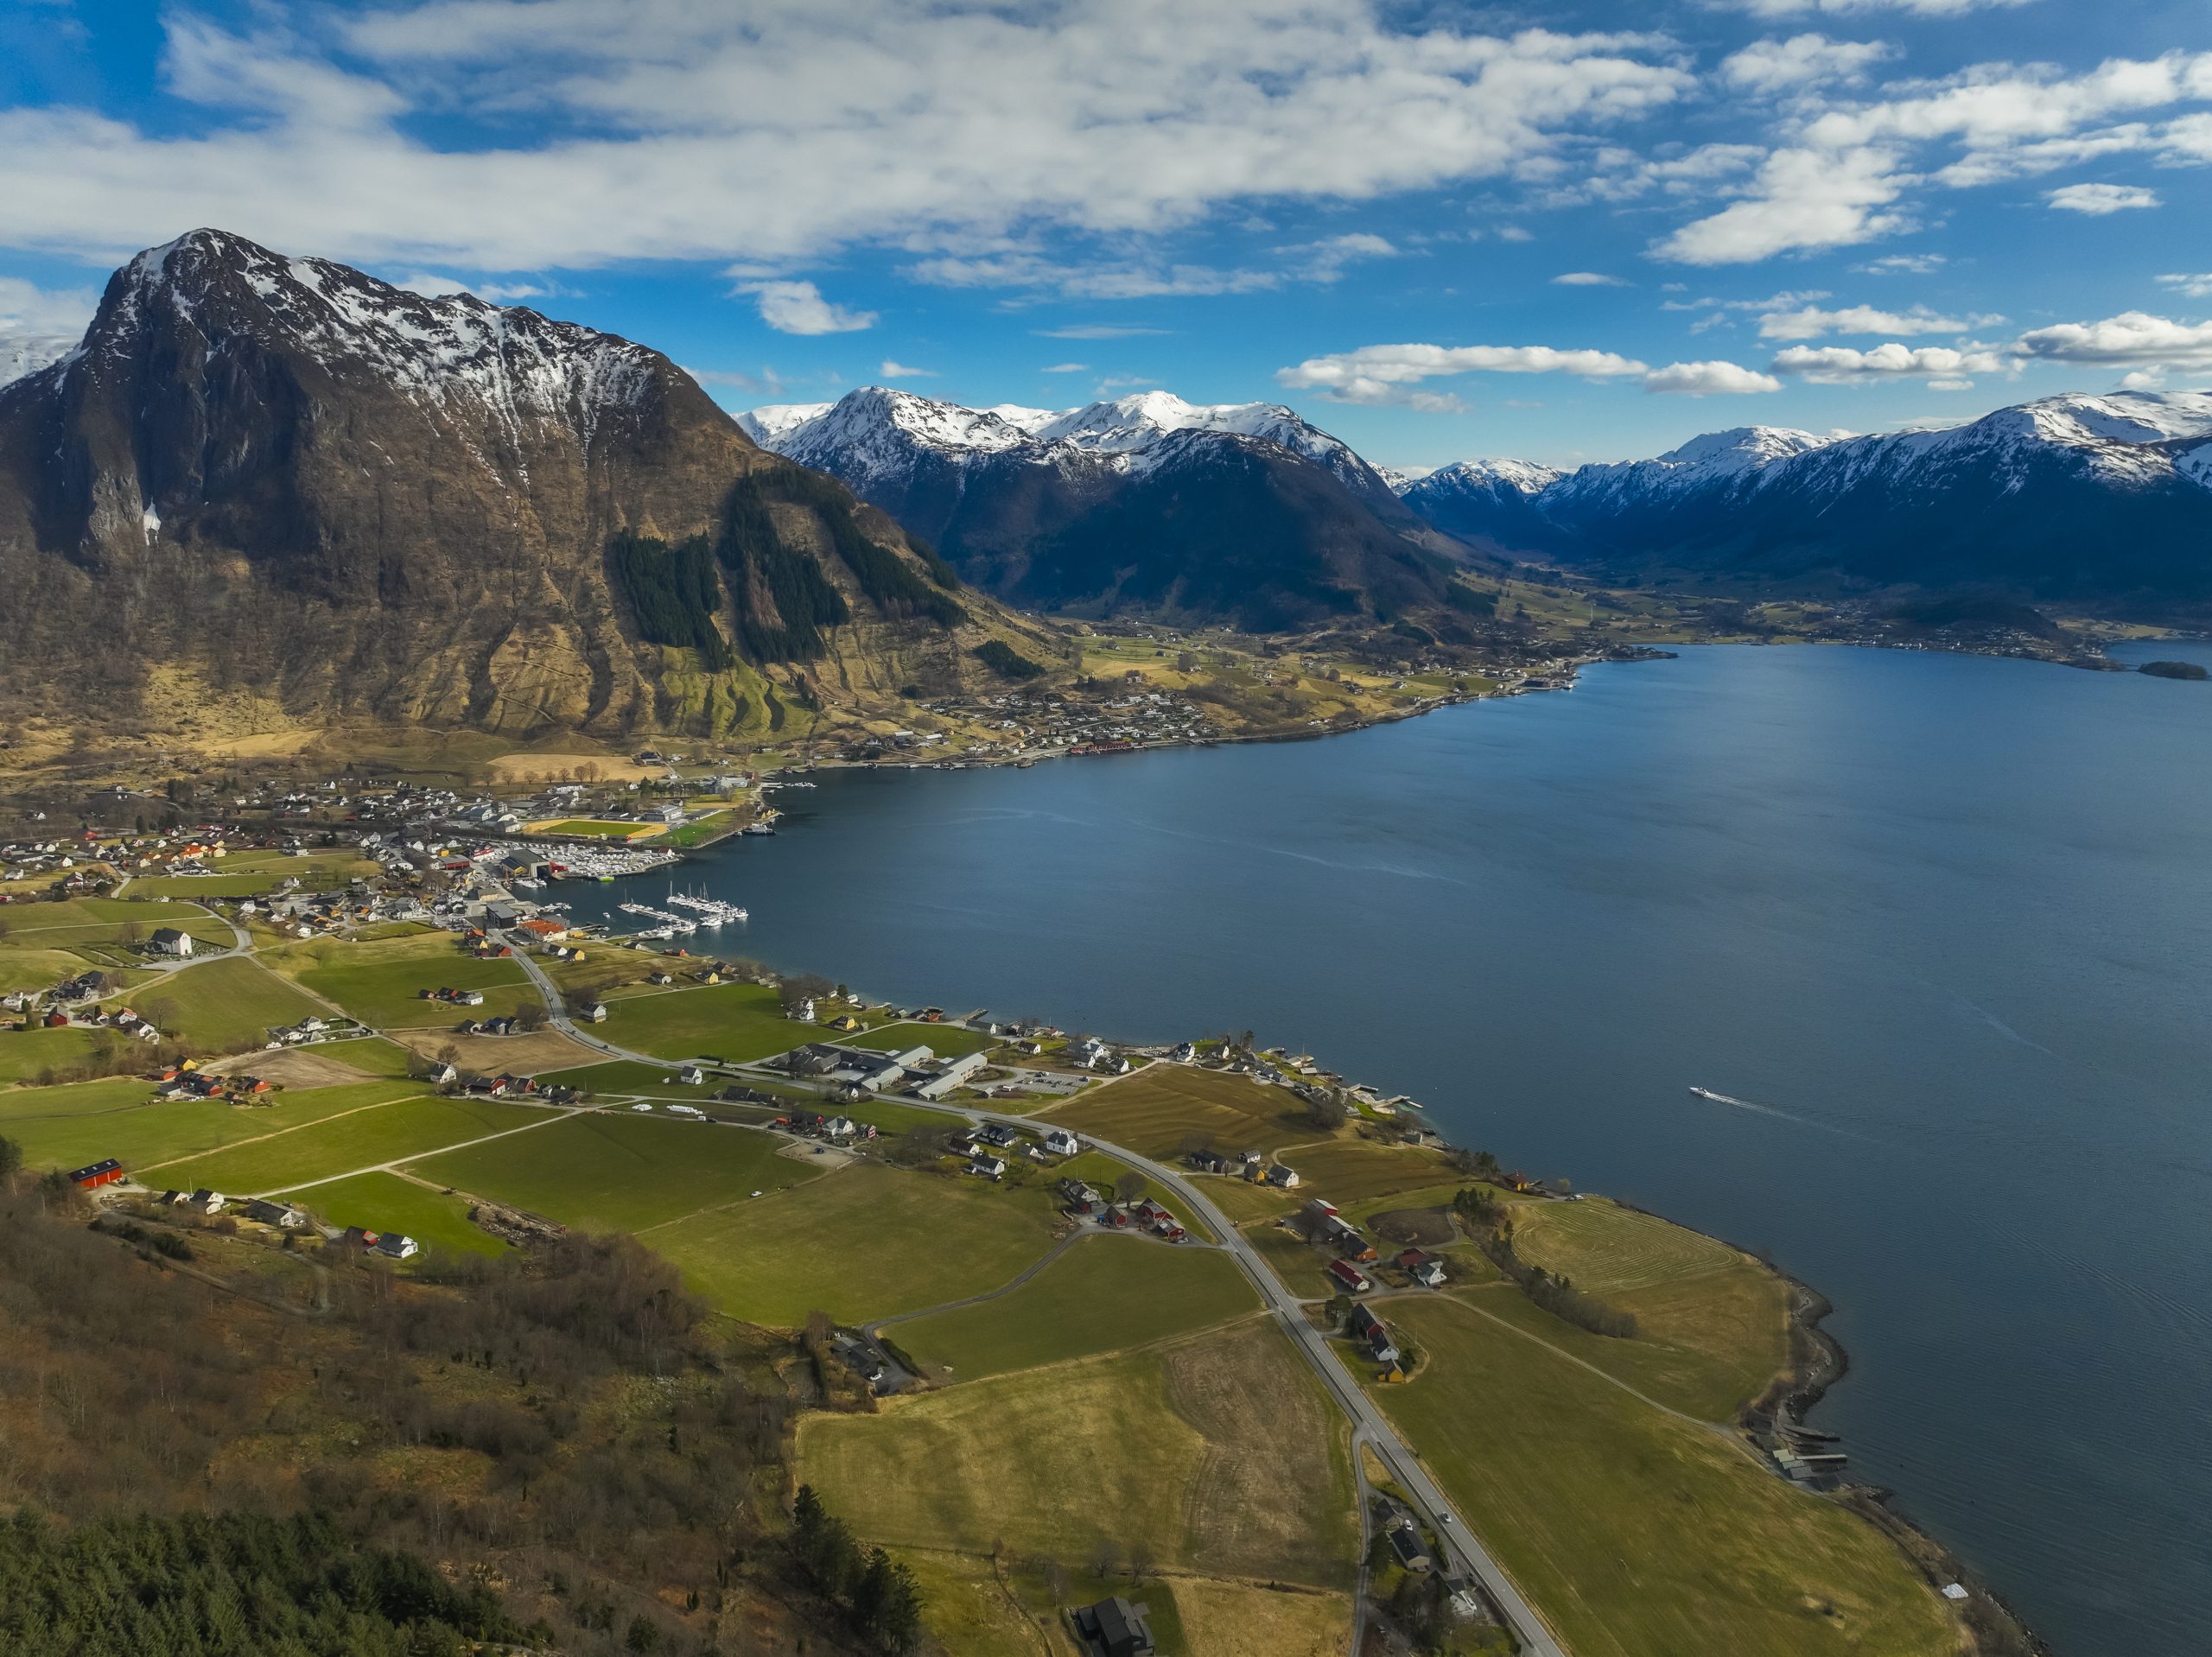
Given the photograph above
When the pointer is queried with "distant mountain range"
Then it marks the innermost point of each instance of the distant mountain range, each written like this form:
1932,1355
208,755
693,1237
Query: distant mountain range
279,476
1241,511
2096,499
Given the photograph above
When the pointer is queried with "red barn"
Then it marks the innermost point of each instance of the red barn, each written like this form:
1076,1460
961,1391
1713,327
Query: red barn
98,1174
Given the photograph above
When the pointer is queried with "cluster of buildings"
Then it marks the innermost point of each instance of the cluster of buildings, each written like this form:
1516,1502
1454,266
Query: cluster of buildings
1083,1202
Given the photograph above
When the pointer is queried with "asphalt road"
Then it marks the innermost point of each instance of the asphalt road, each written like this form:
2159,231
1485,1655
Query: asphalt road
1464,1555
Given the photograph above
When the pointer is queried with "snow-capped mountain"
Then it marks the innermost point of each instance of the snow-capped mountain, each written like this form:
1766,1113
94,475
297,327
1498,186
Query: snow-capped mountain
284,473
1239,509
2074,496
871,428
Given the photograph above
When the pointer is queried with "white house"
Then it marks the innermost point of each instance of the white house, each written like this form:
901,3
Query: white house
167,941
801,1010
690,1075
1061,1143
397,1244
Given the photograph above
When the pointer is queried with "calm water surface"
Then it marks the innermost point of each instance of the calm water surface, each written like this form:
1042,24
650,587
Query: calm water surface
1947,921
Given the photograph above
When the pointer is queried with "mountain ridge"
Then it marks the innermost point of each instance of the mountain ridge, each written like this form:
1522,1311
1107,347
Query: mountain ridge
281,476
1238,511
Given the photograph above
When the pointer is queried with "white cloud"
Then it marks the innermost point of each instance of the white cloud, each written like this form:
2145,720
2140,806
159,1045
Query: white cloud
1096,331
39,325
782,130
1587,279
2102,199
1842,365
2133,339
798,307
2143,379
1802,199
1839,175
1810,323
1709,379
2198,286
1766,67
1384,374
899,370
1067,368
1842,7
1950,385
1325,261
1111,281
433,286
1902,264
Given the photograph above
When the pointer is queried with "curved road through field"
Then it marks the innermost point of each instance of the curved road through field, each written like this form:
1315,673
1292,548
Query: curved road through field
1463,1552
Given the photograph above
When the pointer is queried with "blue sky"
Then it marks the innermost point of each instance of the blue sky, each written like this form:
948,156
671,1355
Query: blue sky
1567,232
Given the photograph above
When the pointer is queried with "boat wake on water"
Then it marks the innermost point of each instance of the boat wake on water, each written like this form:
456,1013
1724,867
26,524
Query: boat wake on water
1709,1094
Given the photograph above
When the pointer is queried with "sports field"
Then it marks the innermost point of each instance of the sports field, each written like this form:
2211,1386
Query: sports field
1160,1448
1636,1533
598,828
618,1172
1157,1110
392,1132
864,1242
1104,1294
384,1202
732,1022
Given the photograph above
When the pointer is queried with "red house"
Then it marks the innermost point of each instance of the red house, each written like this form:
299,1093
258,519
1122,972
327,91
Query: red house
98,1174
1349,1275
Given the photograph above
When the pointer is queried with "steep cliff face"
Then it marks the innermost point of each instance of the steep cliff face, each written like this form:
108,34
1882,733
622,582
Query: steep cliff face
283,474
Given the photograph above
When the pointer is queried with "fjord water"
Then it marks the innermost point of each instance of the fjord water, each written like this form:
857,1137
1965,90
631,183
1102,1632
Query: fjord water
1944,922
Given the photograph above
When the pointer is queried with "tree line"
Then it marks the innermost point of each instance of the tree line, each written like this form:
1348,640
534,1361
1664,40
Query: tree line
877,1595
1487,1220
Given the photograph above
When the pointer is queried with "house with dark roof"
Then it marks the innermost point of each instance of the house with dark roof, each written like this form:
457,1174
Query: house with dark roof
1114,1628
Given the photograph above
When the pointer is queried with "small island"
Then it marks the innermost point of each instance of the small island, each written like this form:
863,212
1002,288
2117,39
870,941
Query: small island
2175,671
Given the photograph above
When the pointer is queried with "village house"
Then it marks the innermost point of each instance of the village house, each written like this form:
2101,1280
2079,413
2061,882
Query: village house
168,941
1425,1269
1060,1143
1114,1627
988,1167
1349,1276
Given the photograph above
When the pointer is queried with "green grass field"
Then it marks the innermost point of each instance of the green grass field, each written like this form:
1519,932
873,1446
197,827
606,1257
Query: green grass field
1636,1534
1713,1325
1161,1448
732,1022
597,829
223,1007
618,1172
389,1133
382,1202
385,993
67,1127
1157,1110
1348,1171
945,1040
26,1054
1104,1294
866,1241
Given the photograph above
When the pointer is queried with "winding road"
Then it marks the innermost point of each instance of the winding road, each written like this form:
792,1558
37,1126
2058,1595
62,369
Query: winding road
1463,1555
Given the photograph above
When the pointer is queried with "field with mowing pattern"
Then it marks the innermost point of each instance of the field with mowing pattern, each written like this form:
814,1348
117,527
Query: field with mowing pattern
370,1054
1156,1110
1161,1448
1104,1294
382,1202
618,1172
1636,1533
732,1022
360,1139
864,1242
